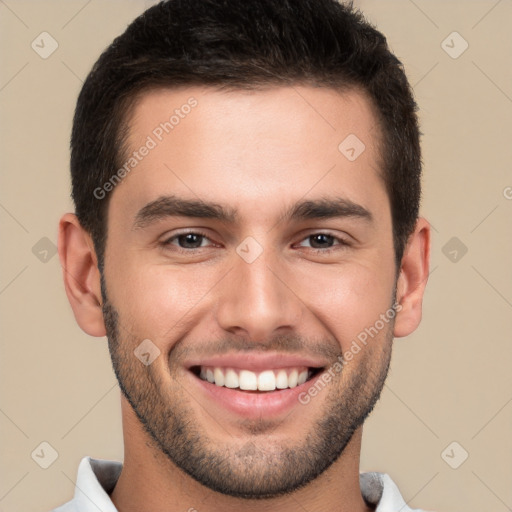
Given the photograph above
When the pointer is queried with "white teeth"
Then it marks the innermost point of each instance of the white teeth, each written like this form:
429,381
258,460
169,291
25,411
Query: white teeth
248,380
219,377
267,380
292,378
231,380
281,380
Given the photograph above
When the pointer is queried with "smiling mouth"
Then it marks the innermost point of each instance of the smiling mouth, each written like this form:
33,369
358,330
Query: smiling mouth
266,381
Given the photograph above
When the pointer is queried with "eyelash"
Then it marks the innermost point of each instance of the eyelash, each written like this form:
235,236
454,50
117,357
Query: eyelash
166,243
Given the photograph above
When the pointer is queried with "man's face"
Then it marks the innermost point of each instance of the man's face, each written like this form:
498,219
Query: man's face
261,297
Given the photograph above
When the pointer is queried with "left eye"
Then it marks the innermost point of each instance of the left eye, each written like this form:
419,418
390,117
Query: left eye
319,240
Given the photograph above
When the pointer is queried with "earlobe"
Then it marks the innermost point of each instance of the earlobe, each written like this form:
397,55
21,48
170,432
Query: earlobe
413,279
81,275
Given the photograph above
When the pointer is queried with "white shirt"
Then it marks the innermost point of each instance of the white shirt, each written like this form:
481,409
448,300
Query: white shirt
97,478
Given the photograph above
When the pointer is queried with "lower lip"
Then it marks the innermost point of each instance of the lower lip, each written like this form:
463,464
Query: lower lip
254,405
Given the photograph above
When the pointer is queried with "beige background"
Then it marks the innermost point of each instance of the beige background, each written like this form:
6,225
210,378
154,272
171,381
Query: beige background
450,380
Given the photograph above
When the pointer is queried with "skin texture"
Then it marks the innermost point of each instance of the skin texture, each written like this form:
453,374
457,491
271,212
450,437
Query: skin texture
259,153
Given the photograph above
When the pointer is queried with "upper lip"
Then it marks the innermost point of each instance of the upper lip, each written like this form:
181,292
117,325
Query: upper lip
256,362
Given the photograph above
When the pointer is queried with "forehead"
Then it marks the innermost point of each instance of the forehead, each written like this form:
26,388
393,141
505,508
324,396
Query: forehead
264,113
258,147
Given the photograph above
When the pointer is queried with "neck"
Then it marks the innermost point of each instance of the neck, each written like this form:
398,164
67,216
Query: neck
150,481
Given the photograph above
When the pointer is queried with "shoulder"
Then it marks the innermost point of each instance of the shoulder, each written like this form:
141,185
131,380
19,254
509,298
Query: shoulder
379,490
95,480
67,507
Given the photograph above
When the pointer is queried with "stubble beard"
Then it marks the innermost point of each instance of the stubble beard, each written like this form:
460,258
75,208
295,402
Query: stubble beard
258,468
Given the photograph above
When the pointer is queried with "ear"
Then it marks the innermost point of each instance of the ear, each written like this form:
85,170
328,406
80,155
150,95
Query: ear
412,279
81,275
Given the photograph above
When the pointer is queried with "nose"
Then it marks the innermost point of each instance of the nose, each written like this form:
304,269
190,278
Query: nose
258,298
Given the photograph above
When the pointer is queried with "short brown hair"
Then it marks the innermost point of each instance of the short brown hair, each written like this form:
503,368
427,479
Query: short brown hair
237,44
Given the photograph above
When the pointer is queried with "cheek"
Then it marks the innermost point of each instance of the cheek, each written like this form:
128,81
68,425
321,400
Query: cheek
157,301
346,299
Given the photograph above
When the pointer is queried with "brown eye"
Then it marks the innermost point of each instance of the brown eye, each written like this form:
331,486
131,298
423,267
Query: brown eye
323,242
320,240
186,241
190,240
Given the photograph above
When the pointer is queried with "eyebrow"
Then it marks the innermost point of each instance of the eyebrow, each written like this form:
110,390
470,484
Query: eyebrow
173,206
